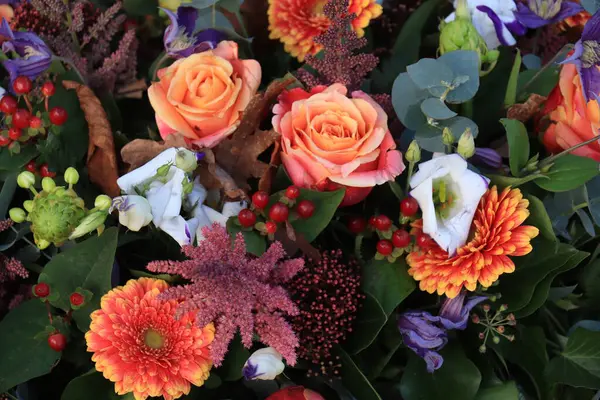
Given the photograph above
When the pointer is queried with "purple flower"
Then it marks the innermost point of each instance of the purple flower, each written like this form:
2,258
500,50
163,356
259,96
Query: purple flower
180,40
454,313
538,13
422,335
34,56
586,58
487,157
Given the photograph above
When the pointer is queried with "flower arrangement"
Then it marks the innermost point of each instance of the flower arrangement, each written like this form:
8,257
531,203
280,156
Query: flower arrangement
317,199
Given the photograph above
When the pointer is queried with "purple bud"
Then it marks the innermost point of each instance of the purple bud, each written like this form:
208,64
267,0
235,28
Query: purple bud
487,157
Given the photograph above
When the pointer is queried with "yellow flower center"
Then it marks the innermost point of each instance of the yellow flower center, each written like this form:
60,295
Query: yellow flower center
443,197
153,339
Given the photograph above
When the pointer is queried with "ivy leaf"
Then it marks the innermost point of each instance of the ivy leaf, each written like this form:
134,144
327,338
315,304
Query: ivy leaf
579,364
388,282
370,320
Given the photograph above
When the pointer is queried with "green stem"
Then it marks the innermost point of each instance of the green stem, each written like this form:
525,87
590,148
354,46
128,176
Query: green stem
551,159
70,63
467,109
29,242
556,322
10,396
567,47
411,169
74,37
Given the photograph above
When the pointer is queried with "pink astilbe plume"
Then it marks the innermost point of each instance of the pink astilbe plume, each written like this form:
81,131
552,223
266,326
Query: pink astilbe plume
236,290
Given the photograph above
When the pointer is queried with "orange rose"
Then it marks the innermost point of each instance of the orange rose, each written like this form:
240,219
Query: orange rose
204,95
327,137
295,393
573,120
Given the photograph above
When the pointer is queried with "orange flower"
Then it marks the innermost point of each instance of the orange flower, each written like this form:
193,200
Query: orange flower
573,120
295,393
497,233
204,95
140,346
297,22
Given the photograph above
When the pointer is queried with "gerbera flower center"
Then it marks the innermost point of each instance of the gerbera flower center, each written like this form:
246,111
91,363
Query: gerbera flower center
444,197
153,339
591,53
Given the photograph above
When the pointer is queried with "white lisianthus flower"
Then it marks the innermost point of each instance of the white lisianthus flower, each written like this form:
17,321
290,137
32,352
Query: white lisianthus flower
448,194
264,364
134,211
494,20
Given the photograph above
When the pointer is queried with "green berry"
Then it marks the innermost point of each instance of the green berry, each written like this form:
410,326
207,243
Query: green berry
28,205
103,202
48,184
71,176
26,179
18,215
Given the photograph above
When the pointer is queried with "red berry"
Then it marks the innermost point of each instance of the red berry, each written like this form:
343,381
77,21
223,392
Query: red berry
76,299
356,225
271,227
35,122
31,167
48,89
58,116
247,218
57,341
4,141
130,24
21,118
22,85
292,192
14,133
8,104
260,199
409,206
382,223
279,212
41,290
401,238
305,208
385,247
372,221
423,241
45,171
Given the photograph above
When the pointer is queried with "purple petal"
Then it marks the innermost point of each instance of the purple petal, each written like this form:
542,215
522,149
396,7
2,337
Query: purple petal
501,30
250,371
210,35
528,18
568,9
487,157
516,28
590,81
187,16
452,308
5,30
171,30
591,31
433,360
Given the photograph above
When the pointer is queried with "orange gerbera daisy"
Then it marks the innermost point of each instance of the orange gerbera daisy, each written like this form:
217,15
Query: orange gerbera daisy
496,234
140,346
297,22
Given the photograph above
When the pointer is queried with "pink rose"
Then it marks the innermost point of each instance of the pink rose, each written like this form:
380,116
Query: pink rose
329,140
204,96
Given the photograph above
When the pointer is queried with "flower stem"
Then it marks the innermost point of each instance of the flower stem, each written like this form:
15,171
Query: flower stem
553,158
411,168
10,396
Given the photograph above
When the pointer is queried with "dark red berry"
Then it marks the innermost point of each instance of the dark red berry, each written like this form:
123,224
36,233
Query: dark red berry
385,247
45,171
57,341
35,122
401,238
409,206
58,116
41,290
8,104
292,192
22,85
271,227
356,225
424,241
279,212
14,133
247,218
130,24
31,167
382,223
76,299
260,199
21,118
4,141
372,221
305,208
48,89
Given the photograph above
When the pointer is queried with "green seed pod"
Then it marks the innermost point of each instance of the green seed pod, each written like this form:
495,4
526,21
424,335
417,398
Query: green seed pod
28,205
103,202
26,179
89,224
413,154
18,215
48,184
466,145
71,176
186,160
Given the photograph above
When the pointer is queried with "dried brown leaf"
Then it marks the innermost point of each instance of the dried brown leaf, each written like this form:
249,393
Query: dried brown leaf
524,112
101,157
134,90
139,151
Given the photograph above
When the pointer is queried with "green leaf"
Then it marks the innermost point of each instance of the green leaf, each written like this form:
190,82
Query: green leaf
326,204
90,386
465,64
202,4
506,391
14,162
373,360
6,194
370,319
354,380
396,189
579,364
591,6
430,138
23,357
569,172
428,73
511,90
140,8
537,81
407,99
236,357
255,242
457,379
388,282
88,265
518,145
436,109
538,217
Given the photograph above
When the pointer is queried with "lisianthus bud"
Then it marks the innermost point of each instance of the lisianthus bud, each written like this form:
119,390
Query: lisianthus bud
18,215
71,176
134,211
26,179
413,154
48,184
103,202
186,160
447,136
89,224
264,364
466,144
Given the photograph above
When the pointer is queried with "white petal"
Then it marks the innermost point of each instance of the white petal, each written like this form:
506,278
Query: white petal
136,177
233,208
166,199
268,363
137,215
177,228
198,195
202,219
424,196
215,216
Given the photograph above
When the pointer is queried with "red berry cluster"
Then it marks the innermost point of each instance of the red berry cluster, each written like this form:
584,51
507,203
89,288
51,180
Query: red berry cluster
393,241
41,169
23,124
277,213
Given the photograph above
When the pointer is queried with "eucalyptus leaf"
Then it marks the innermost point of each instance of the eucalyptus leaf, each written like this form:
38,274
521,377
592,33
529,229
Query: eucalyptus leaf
458,126
462,63
429,73
436,109
430,138
591,6
407,99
